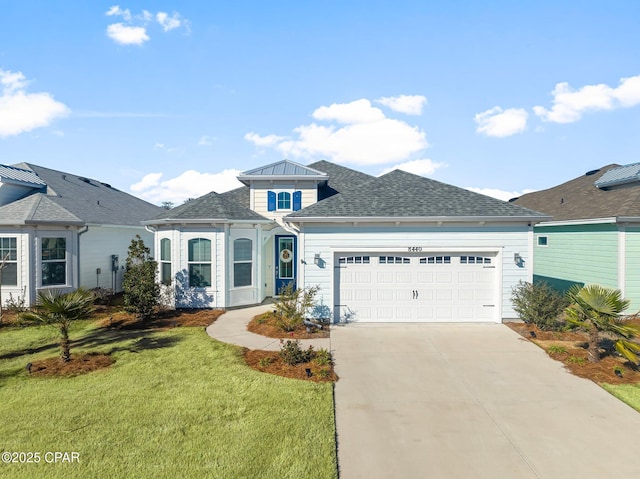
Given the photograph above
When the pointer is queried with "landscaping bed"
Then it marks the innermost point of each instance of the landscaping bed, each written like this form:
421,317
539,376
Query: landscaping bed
569,347
271,362
268,324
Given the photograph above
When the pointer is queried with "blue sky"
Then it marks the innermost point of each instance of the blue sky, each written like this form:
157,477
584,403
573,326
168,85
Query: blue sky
170,100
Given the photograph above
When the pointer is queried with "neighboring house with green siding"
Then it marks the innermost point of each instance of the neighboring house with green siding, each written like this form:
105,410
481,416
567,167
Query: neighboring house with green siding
594,237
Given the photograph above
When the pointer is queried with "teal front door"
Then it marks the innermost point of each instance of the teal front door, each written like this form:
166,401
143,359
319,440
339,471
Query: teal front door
285,262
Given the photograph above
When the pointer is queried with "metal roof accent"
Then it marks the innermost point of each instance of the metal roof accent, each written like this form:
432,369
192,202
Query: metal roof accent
11,174
619,176
284,169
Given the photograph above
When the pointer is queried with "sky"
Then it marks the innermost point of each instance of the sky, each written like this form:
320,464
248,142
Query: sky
169,100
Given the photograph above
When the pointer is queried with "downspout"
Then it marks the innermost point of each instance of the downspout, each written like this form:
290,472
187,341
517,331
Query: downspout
86,228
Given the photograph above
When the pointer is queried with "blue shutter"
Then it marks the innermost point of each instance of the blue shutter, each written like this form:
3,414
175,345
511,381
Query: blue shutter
271,201
297,200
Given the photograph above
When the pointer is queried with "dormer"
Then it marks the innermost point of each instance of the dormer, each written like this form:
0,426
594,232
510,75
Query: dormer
627,175
16,183
278,189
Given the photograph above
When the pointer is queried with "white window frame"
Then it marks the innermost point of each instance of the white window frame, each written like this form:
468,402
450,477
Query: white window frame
67,259
11,261
243,261
164,261
210,262
290,192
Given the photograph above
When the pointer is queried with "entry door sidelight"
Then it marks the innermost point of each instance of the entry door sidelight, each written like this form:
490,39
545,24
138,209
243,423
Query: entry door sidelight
285,262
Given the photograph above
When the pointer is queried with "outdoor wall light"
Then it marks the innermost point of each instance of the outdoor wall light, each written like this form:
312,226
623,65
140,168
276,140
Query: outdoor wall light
517,259
316,259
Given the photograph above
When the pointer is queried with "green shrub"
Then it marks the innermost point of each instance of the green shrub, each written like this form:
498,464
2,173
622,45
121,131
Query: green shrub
324,373
293,305
141,291
322,357
264,362
557,349
538,304
576,360
292,354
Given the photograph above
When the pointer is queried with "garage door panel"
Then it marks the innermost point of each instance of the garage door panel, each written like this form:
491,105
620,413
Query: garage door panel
420,287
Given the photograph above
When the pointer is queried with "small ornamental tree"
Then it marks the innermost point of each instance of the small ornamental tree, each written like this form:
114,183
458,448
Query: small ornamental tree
60,310
141,290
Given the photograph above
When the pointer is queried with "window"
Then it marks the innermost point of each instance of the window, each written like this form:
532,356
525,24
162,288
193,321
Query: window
436,260
199,262
354,260
54,261
393,260
474,260
9,259
543,240
242,262
165,261
284,200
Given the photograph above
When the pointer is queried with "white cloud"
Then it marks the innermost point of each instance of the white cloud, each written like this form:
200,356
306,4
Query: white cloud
500,123
269,140
21,111
363,136
423,167
409,104
134,30
569,105
499,194
126,35
190,184
205,140
359,111
116,10
168,22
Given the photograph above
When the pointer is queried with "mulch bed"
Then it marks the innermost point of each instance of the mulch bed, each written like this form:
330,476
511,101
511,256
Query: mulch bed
575,355
79,364
280,368
162,320
266,325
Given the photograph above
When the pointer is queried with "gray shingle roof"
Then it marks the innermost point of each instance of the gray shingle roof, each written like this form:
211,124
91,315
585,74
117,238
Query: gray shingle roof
11,174
71,199
211,206
581,199
403,195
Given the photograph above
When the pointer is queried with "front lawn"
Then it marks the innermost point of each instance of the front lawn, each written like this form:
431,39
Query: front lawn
176,403
629,393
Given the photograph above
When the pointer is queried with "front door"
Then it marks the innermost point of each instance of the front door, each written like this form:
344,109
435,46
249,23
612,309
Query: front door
285,262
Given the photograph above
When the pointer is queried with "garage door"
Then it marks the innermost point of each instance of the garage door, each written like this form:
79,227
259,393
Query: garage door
416,287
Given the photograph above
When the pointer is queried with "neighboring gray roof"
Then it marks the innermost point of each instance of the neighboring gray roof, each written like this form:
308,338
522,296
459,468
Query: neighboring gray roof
209,207
581,199
71,199
240,195
11,174
619,176
284,169
400,194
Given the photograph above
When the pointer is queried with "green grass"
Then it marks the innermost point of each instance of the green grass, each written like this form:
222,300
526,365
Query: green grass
629,393
175,404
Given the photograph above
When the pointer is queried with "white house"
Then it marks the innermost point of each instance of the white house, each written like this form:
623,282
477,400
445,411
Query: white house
62,231
399,247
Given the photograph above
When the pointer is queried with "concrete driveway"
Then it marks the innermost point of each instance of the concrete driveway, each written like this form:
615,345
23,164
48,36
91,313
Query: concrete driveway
471,401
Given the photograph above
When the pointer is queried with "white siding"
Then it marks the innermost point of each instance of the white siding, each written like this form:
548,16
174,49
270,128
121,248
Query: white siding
327,240
97,245
259,191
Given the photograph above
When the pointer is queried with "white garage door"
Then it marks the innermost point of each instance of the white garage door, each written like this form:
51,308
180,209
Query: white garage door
416,287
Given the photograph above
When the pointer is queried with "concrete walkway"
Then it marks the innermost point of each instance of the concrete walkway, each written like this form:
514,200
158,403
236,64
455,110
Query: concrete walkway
231,327
471,401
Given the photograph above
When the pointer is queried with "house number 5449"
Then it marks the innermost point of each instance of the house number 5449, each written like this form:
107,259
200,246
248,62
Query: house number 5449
414,249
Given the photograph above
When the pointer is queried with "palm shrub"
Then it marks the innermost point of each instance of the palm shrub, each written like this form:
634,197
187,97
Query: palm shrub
141,290
597,310
60,310
538,303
